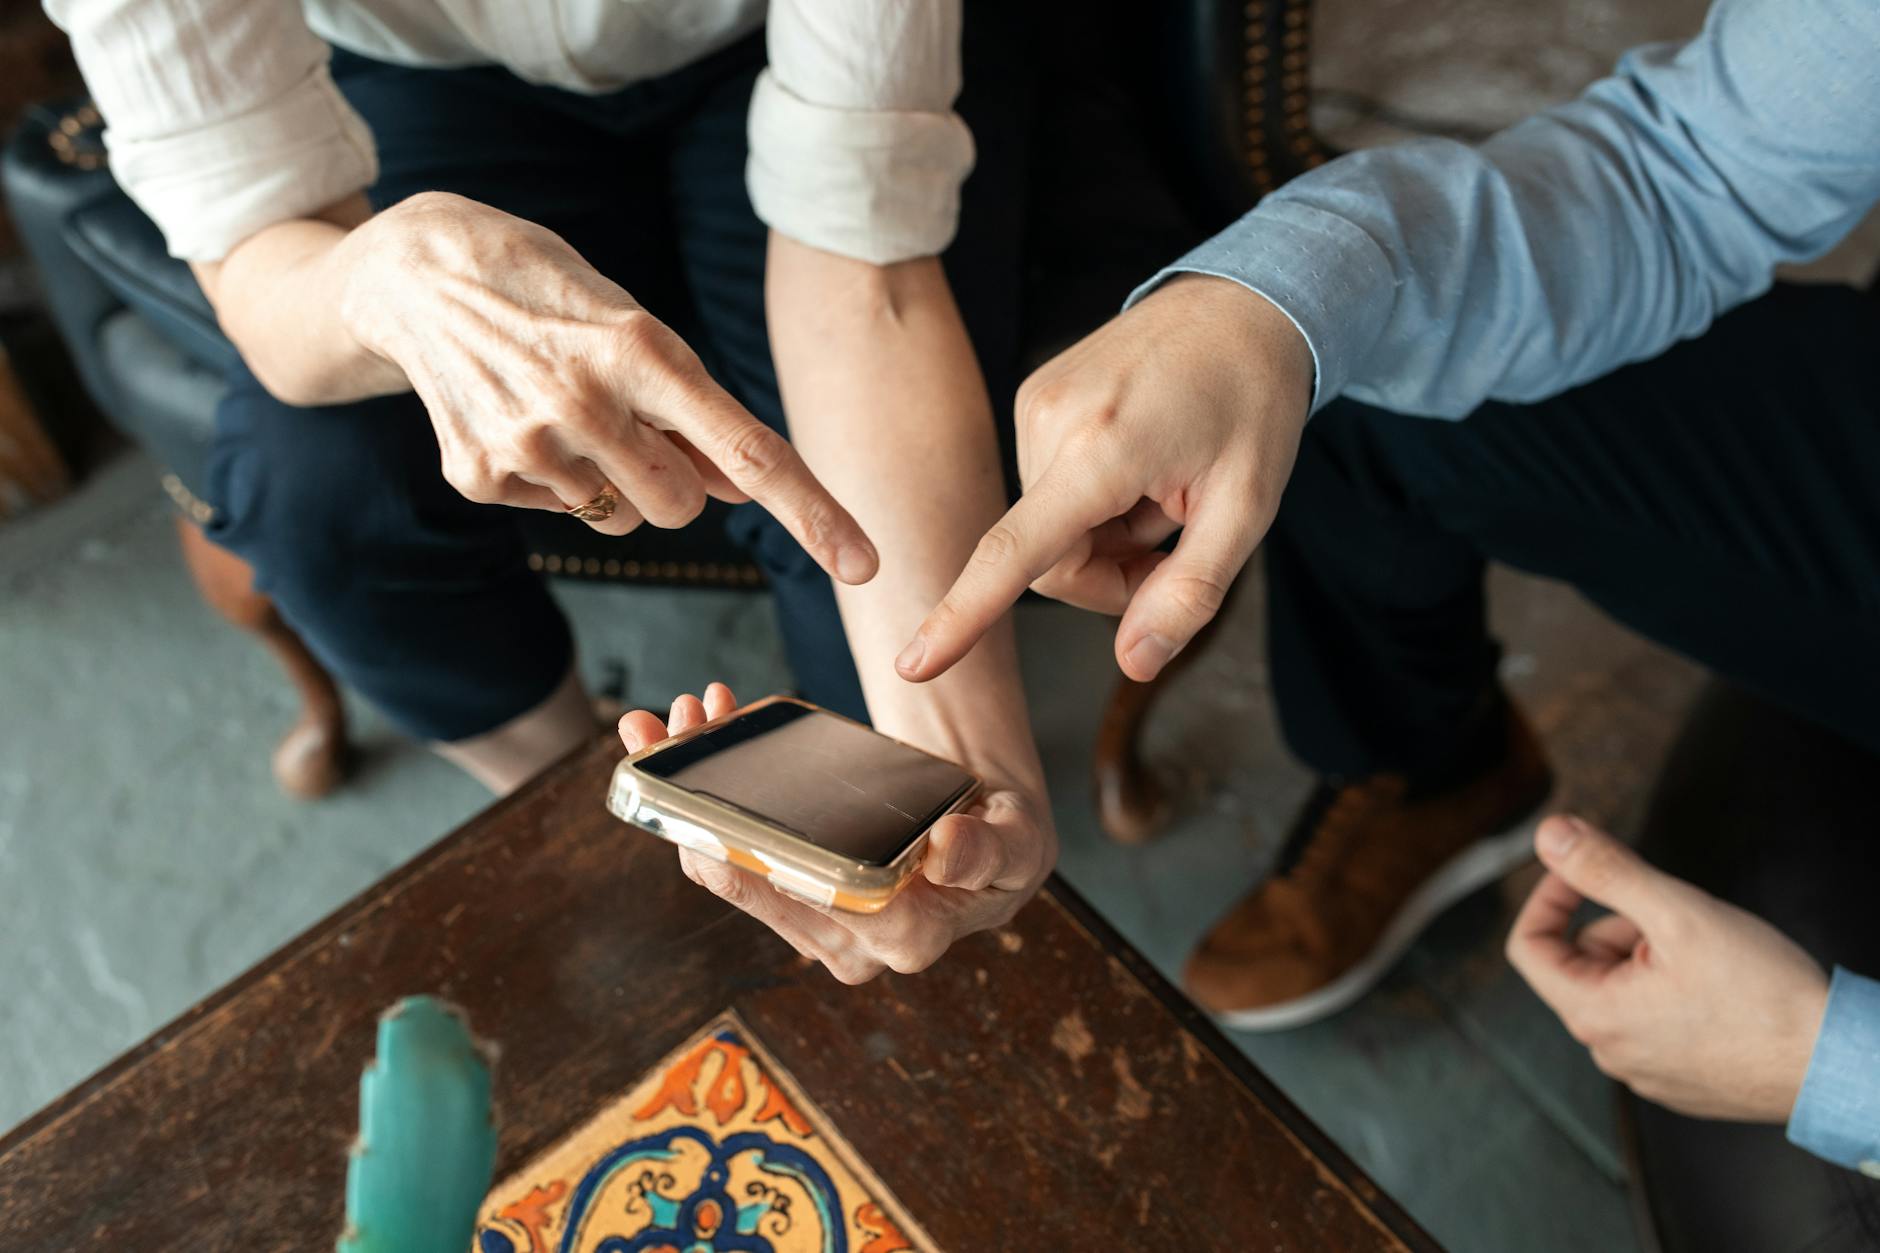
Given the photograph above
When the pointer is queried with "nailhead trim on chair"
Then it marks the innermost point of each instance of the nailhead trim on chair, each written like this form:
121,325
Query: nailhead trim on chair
193,507
61,139
697,573
701,573
1295,86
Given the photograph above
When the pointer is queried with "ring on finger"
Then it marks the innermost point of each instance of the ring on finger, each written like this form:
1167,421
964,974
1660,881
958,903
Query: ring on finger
600,508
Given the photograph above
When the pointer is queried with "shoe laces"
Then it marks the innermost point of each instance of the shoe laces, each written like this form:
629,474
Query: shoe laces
1345,820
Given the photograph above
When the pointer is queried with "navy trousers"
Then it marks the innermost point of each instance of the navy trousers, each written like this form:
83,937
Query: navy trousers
421,600
1722,498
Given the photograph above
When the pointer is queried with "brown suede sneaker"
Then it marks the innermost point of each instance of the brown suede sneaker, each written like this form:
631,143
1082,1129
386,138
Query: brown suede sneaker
1374,863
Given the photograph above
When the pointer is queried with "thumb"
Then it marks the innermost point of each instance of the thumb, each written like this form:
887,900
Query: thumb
965,852
1603,870
1181,594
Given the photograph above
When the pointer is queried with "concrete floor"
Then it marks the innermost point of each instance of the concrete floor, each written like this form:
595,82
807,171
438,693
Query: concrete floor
145,857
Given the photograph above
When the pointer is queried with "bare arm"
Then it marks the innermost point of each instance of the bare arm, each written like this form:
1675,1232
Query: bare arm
278,297
886,402
888,407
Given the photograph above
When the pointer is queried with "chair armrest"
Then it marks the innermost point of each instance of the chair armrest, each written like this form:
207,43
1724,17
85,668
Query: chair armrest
44,184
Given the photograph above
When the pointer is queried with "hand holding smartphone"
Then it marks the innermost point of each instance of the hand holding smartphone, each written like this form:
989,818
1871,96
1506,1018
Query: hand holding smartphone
827,809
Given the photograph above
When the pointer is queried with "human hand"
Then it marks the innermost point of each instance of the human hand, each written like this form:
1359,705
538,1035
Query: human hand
1687,1000
981,865
547,382
1185,411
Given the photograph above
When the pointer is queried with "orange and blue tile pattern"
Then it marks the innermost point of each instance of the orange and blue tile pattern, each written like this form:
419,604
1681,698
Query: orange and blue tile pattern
714,1151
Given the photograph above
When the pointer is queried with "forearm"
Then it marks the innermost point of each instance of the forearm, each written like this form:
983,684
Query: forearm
280,297
888,407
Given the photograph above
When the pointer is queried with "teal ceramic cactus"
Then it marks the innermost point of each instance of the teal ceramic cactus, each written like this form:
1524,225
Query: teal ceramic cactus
427,1139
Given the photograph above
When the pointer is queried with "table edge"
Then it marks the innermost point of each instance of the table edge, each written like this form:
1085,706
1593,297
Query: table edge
1382,1207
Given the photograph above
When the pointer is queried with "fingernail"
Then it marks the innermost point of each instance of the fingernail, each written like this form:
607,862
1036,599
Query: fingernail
1150,653
855,563
1558,838
911,656
940,847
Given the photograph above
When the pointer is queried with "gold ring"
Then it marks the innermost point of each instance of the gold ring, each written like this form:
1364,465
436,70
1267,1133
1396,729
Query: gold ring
600,508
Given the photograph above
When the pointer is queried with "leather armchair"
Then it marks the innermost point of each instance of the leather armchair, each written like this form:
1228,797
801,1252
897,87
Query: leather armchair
1202,106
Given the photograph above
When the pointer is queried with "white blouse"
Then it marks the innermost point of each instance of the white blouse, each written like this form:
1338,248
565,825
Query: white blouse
221,118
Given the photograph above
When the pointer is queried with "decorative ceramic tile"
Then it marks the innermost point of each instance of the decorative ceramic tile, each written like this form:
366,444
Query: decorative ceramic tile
715,1149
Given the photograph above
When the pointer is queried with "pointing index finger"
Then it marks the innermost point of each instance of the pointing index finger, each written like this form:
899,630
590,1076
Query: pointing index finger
1031,538
762,464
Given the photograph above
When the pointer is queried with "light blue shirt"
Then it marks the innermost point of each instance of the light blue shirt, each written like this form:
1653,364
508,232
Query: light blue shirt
1837,1114
1430,276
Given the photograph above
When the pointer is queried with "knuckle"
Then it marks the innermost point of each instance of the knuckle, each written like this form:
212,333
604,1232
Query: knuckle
667,517
998,547
1198,594
681,493
475,480
914,958
751,452
1036,398
678,509
813,530
725,883
1584,1031
535,444
1612,1062
640,341
851,969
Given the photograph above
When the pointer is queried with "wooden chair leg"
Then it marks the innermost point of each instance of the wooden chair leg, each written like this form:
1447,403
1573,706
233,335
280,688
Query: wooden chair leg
311,759
1133,804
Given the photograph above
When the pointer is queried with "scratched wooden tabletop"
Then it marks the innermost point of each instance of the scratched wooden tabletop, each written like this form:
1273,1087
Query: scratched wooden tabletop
1040,1088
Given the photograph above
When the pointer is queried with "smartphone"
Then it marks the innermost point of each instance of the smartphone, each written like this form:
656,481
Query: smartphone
825,808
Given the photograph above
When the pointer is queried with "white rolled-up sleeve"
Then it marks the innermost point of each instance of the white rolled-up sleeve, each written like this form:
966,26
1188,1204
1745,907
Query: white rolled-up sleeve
854,144
220,115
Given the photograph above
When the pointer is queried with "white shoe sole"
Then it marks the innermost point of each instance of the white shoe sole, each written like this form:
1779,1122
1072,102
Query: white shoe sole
1473,868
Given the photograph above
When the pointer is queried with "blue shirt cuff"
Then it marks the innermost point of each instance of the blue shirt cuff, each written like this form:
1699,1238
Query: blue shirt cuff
1321,270
1837,1114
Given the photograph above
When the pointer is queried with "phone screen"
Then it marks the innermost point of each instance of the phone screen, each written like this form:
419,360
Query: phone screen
833,782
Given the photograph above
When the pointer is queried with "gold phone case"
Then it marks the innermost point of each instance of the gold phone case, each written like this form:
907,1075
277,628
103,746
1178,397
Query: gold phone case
791,863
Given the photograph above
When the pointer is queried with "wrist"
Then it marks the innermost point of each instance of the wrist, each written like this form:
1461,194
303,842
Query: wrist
998,750
1004,762
1271,336
1804,1021
356,266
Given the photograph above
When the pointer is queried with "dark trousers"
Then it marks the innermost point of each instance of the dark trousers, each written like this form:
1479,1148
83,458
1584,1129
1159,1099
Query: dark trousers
1775,815
1722,499
421,600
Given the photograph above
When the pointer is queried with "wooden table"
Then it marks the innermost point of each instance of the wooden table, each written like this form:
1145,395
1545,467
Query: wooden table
1041,1088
